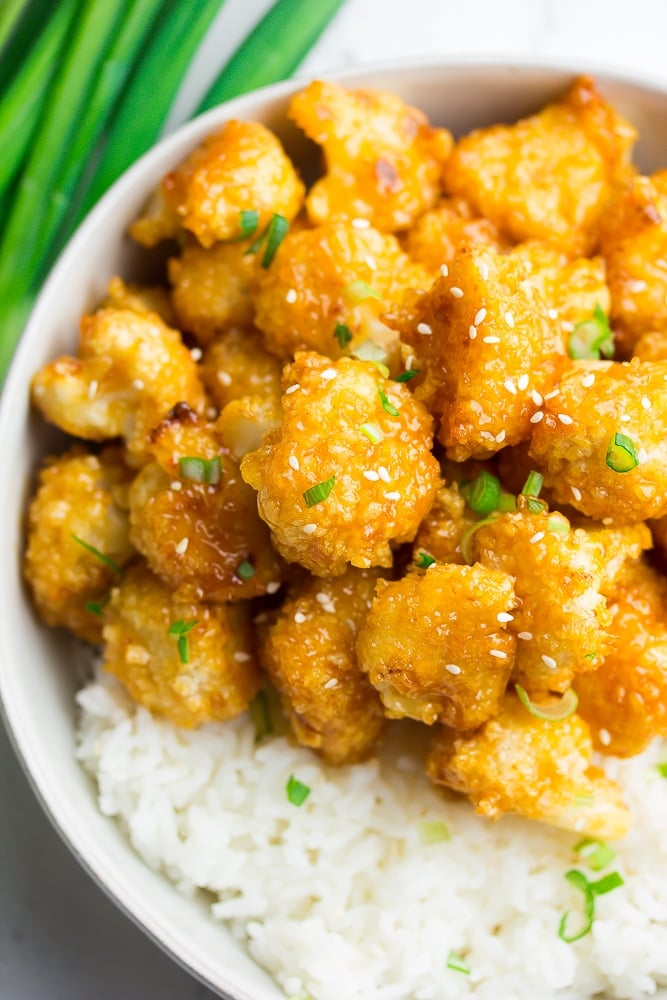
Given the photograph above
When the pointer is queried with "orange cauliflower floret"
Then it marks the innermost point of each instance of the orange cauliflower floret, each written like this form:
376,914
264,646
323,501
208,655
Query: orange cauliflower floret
550,176
205,674
383,159
241,168
141,298
236,365
633,233
79,502
211,289
517,763
349,470
577,445
651,347
440,532
329,276
625,701
438,235
308,651
130,370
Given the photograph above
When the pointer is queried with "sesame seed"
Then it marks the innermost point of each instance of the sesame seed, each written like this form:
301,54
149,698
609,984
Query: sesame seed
500,437
224,378
524,635
624,418
393,495
92,389
552,394
567,326
272,588
371,475
498,653
548,661
552,313
293,462
480,316
242,657
331,683
308,529
565,419
510,386
456,292
588,380
509,319
176,485
360,224
504,616
536,397
328,374
444,270
371,262
472,332
409,362
483,270
424,329
292,388
291,296
646,402
383,474
323,598
637,285
537,537
182,546
196,353
537,417
211,413
576,492
138,384
299,617
452,668
604,737
607,520
522,382
491,340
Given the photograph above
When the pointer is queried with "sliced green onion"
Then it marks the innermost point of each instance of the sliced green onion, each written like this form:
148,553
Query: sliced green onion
297,792
249,220
407,376
533,484
566,707
467,537
373,433
359,291
424,560
316,494
180,628
245,570
483,493
387,404
200,470
596,853
622,454
10,15
579,881
383,370
107,560
261,716
592,338
607,884
97,607
434,831
276,232
583,800
506,502
558,526
343,335
536,506
457,964
368,350
662,769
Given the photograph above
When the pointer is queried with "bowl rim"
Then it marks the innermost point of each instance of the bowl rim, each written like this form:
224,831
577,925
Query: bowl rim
359,75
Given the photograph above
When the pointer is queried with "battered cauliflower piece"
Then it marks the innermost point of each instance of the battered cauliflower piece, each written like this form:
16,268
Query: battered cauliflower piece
309,653
383,159
333,274
438,235
651,346
633,233
205,540
130,370
210,677
236,365
625,701
211,289
489,351
245,422
243,167
595,403
440,532
548,177
78,503
517,763
141,298
436,647
350,469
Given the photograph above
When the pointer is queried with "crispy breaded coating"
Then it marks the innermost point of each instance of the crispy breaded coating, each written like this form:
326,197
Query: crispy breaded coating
625,700
547,177
211,289
236,364
141,298
242,167
205,540
365,442
489,351
80,496
441,530
333,274
633,235
308,651
651,347
438,235
244,422
130,370
517,763
383,159
595,402
212,677
436,647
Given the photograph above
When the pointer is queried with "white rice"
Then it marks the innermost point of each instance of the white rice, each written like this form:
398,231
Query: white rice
340,900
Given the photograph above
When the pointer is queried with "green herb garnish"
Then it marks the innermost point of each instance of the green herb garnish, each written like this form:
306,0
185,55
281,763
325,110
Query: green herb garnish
261,716
434,831
595,853
200,470
533,484
272,237
589,890
457,964
387,404
297,793
373,433
557,712
592,338
343,335
424,560
622,454
97,607
483,494
107,560
249,220
316,494
406,376
358,291
467,536
245,570
662,769
180,629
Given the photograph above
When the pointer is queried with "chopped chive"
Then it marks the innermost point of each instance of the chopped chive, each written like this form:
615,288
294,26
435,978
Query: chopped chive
565,707
536,506
607,884
662,769
621,454
406,376
579,881
434,831
316,494
506,502
533,484
359,291
483,494
200,470
373,433
180,629
557,526
275,234
107,560
248,222
424,560
97,607
245,570
457,964
596,853
261,716
343,335
467,537
383,370
584,800
387,405
297,792
592,338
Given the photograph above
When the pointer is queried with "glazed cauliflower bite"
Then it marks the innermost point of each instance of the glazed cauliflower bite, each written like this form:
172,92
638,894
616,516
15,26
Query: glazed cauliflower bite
205,540
440,532
333,274
130,370
489,351
141,298
383,159
547,177
236,365
211,678
308,651
80,496
633,235
439,234
625,701
366,443
243,167
211,289
436,647
517,763
596,402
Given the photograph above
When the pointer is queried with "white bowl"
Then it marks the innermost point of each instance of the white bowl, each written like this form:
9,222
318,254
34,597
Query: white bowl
37,679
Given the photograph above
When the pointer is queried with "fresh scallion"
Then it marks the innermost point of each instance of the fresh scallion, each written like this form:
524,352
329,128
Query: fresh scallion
276,232
533,484
434,831
553,712
107,560
297,792
180,629
248,222
662,769
596,853
424,560
343,335
558,525
622,454
316,494
506,502
245,570
200,470
592,338
457,964
483,494
10,15
468,535
373,433
589,890
408,375
536,506
359,291
261,716
387,404
97,607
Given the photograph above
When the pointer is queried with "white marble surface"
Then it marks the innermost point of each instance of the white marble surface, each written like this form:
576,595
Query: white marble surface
60,938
